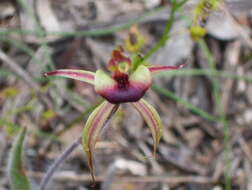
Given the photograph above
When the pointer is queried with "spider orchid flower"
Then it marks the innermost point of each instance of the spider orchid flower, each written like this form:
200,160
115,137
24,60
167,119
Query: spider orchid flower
129,80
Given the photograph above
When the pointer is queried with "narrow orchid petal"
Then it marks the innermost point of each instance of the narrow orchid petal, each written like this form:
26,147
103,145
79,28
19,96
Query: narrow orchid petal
156,69
93,128
81,75
152,119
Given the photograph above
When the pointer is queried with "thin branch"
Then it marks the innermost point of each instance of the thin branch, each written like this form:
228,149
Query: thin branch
119,24
18,70
58,162
76,178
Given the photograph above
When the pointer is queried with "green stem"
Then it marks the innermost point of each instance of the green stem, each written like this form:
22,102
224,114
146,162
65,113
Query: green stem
166,34
91,32
30,11
216,87
188,105
205,72
219,109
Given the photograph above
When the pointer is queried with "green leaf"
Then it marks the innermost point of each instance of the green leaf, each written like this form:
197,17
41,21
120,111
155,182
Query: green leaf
17,177
93,128
152,119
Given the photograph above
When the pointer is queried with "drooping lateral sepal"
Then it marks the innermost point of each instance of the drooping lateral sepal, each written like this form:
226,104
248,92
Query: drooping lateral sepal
152,119
92,129
157,69
81,75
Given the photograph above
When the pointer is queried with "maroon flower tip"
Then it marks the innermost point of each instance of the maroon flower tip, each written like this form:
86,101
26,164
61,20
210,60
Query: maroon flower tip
45,74
182,65
50,73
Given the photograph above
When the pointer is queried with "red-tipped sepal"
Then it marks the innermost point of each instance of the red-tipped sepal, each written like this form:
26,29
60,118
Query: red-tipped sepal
157,69
152,119
81,75
92,130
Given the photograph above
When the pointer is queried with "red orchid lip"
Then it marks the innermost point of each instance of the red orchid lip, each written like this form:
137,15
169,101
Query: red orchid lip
132,93
122,88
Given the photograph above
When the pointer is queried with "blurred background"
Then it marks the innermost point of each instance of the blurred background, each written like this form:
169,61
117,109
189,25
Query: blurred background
206,107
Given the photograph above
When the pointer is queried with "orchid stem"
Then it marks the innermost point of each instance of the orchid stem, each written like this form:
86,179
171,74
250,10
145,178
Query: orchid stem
57,163
166,35
64,156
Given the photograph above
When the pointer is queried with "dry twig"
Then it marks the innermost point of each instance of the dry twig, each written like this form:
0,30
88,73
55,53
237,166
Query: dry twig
73,177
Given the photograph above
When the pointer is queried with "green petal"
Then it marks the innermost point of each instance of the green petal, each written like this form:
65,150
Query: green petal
93,128
81,75
152,119
17,177
103,81
141,75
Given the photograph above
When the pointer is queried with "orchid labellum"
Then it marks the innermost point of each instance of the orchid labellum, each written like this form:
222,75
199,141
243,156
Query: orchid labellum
129,80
